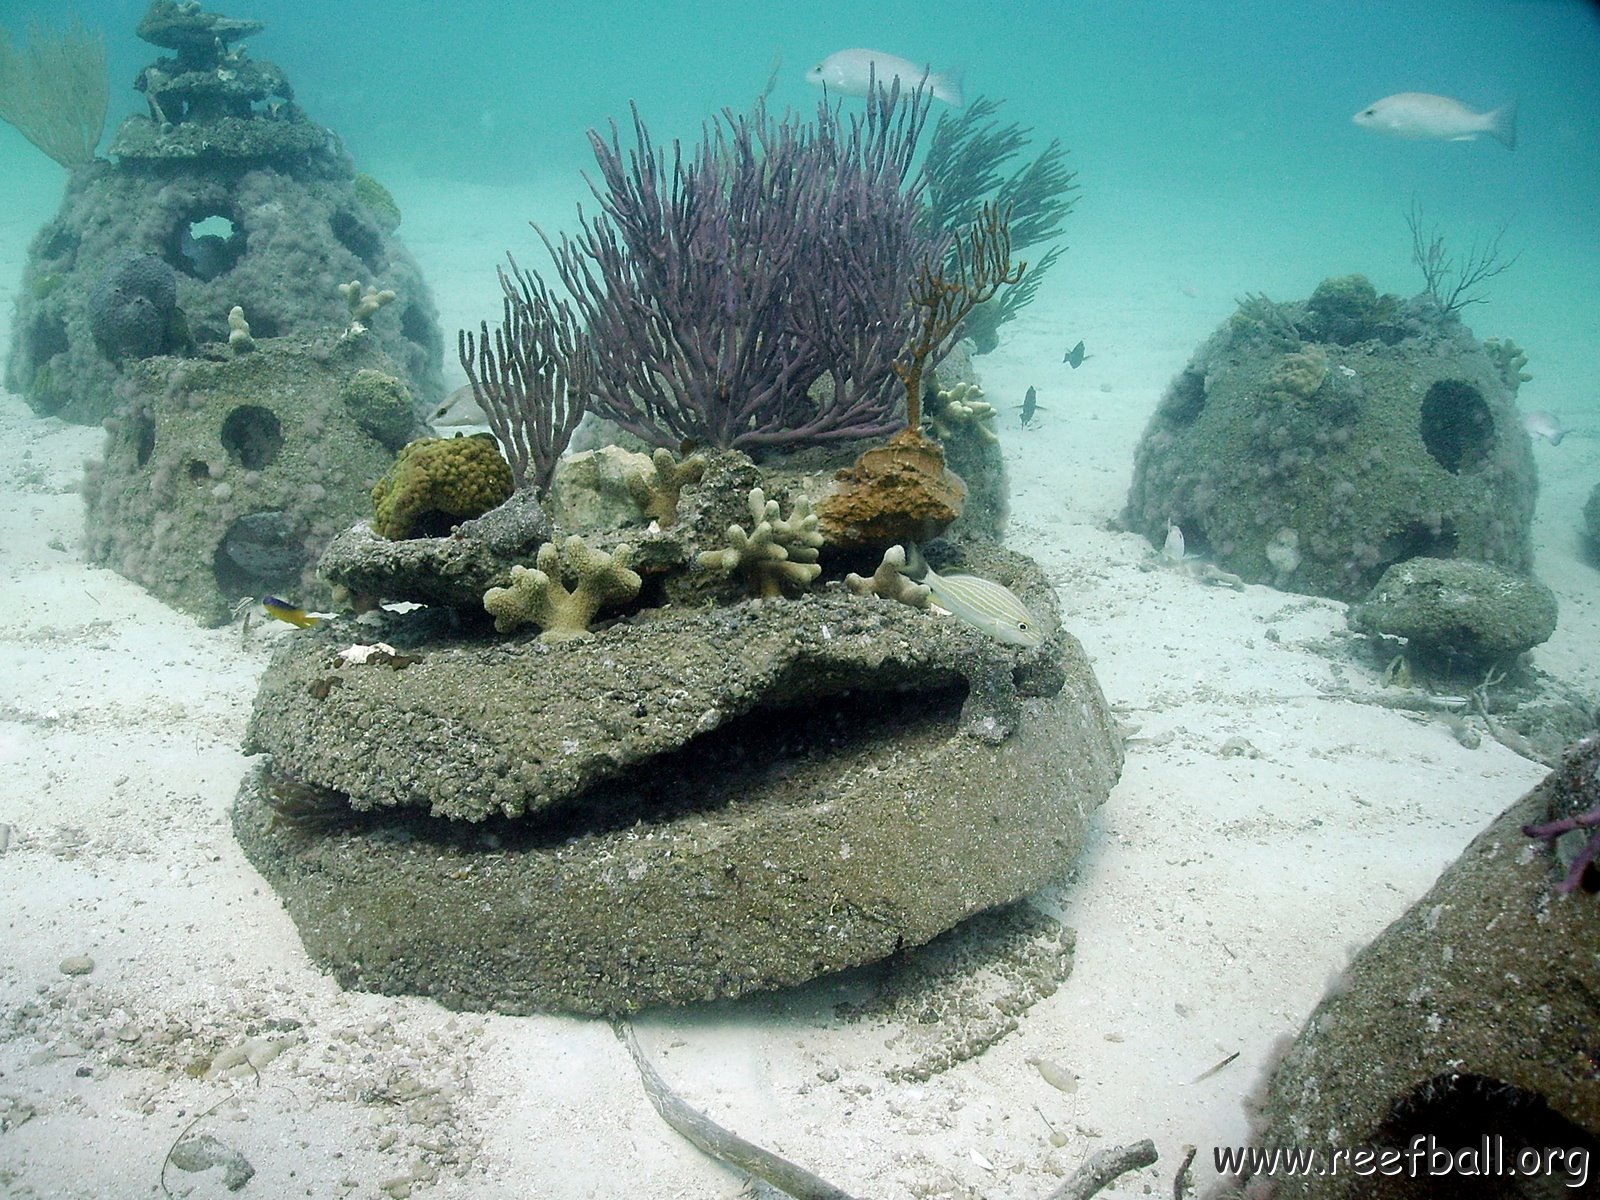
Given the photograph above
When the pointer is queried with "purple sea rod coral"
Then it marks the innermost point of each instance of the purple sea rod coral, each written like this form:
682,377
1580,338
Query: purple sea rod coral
1582,771
720,285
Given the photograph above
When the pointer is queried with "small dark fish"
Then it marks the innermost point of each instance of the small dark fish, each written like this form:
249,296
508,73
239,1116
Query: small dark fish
1075,356
1031,408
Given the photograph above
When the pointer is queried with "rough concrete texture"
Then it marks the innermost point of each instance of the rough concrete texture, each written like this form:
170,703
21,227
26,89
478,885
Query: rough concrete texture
1458,607
1312,445
716,801
1476,1014
225,478
478,728
453,571
249,203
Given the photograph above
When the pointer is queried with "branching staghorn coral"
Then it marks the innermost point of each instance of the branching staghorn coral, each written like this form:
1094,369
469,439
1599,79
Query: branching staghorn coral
1509,359
363,303
540,595
776,554
536,378
657,489
890,581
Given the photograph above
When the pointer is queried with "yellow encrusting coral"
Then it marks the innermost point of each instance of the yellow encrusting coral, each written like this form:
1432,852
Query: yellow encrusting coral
540,595
775,554
1299,375
459,478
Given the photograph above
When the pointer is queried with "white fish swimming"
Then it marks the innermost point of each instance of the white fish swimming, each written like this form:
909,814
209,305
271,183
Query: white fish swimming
848,73
1172,549
1546,425
1425,117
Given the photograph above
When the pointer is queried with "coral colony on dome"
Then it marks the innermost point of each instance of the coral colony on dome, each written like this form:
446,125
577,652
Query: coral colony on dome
705,668
673,620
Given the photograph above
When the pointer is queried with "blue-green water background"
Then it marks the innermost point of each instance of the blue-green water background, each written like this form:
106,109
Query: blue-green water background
1215,135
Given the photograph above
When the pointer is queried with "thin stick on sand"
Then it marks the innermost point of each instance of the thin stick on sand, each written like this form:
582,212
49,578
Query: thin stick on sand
1100,1169
723,1144
726,1146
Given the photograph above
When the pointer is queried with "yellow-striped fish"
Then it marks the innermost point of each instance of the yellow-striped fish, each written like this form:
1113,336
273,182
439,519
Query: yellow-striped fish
982,603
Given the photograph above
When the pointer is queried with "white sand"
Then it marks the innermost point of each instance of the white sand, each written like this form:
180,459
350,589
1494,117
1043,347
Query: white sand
1215,896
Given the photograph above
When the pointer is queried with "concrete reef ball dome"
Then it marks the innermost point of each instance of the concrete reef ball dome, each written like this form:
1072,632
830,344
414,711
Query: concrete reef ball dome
1311,445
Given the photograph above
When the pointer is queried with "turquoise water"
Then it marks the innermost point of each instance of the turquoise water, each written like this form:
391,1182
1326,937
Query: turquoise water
1216,157
1228,123
1198,107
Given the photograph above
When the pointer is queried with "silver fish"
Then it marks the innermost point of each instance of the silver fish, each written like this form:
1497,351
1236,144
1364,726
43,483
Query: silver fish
985,605
460,409
851,72
1546,425
1425,117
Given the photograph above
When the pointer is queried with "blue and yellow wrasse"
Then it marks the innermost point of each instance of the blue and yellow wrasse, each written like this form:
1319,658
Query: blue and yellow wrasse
284,611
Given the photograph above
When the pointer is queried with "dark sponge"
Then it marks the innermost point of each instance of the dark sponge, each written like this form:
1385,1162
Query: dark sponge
131,308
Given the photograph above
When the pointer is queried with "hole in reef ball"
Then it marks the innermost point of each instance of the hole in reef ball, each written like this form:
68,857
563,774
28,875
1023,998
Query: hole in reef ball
1464,1110
253,436
208,246
143,434
360,238
1185,400
46,338
1456,426
260,552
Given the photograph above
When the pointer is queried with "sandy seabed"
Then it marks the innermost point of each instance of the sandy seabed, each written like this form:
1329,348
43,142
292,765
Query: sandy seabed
1217,893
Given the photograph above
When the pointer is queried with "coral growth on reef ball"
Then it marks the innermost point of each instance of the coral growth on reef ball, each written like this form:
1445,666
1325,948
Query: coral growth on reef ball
777,554
433,478
540,596
224,195
892,493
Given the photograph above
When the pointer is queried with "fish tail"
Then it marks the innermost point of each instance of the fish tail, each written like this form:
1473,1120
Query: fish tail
946,86
1501,125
